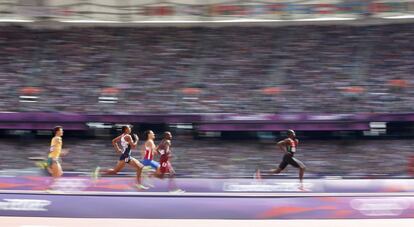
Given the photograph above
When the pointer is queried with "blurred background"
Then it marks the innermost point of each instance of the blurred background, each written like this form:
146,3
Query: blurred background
225,77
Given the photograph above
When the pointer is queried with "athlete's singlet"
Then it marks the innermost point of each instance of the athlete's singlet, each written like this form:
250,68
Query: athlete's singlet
55,147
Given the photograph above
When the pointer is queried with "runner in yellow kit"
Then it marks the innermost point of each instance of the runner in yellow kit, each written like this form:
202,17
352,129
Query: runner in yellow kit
53,160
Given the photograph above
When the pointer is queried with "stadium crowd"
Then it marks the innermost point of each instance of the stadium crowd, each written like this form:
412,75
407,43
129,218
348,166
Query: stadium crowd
207,158
333,69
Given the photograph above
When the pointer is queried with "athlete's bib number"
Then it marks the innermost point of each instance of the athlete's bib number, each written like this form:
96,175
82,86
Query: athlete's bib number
164,164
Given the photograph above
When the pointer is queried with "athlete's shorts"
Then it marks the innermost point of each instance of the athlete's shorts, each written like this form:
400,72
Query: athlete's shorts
125,157
166,167
152,163
289,159
50,161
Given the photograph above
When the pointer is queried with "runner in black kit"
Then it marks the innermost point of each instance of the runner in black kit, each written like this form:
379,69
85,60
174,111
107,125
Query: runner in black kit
289,146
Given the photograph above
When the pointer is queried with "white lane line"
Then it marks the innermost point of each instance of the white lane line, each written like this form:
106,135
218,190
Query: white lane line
209,194
110,222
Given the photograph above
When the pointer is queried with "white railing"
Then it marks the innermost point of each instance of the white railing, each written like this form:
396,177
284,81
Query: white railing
206,11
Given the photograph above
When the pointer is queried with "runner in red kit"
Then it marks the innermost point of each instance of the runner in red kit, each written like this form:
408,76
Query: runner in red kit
165,153
164,150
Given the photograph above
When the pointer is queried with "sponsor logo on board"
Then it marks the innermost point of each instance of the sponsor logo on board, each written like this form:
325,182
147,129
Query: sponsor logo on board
24,204
380,206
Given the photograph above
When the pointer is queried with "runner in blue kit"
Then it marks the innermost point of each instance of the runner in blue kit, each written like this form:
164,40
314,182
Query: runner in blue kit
148,151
